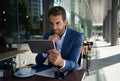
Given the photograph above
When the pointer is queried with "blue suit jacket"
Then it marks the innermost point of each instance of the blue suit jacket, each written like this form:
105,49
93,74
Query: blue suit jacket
70,51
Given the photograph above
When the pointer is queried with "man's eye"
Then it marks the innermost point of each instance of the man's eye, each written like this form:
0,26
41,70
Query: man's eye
51,23
57,23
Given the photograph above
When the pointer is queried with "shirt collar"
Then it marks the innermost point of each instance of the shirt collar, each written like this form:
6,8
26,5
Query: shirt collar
64,33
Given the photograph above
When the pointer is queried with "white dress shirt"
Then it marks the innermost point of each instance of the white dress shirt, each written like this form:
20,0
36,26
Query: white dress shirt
59,47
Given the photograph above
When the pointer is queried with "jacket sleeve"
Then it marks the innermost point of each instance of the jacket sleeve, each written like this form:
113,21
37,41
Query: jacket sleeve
72,60
40,59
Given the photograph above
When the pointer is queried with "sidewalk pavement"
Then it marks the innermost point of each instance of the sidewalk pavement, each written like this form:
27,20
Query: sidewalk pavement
105,62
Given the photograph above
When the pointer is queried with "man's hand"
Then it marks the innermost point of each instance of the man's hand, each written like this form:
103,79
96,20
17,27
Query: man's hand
54,37
55,58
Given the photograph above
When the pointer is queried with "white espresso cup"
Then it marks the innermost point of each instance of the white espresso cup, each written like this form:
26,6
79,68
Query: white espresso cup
25,71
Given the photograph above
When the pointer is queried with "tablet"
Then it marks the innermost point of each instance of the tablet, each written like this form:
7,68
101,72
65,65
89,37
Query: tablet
41,46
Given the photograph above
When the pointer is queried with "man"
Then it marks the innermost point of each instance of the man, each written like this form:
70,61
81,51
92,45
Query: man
68,42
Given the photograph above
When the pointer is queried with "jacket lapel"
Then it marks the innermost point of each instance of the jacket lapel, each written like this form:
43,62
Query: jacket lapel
66,41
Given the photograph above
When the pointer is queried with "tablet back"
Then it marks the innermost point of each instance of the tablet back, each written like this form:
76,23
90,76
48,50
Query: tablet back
41,46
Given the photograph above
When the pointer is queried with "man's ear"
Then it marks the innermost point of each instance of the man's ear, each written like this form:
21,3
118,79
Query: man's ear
65,22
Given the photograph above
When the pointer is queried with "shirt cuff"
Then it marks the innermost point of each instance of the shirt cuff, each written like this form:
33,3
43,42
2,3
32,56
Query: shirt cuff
44,54
63,65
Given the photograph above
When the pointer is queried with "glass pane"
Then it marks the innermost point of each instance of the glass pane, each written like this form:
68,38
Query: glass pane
30,27
30,19
8,28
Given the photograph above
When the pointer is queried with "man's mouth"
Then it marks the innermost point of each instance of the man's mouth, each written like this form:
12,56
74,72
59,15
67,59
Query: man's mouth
55,31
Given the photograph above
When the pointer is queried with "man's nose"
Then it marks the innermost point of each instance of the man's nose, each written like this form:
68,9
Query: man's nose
54,26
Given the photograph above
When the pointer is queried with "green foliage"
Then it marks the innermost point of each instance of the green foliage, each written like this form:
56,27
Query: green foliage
98,27
22,8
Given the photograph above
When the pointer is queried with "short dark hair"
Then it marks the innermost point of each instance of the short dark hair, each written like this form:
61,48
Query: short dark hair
57,10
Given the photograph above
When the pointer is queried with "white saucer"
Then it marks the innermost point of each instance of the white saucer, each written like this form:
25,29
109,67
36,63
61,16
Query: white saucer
17,74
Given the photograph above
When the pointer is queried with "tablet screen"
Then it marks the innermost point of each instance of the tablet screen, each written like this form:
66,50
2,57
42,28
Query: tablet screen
41,46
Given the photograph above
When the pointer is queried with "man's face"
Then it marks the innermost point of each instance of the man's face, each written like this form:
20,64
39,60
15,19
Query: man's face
57,24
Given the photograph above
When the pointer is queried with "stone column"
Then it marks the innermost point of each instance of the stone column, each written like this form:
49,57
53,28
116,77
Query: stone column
114,27
104,29
89,29
109,26
72,14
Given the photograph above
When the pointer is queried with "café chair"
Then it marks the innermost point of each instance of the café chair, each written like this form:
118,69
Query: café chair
85,56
